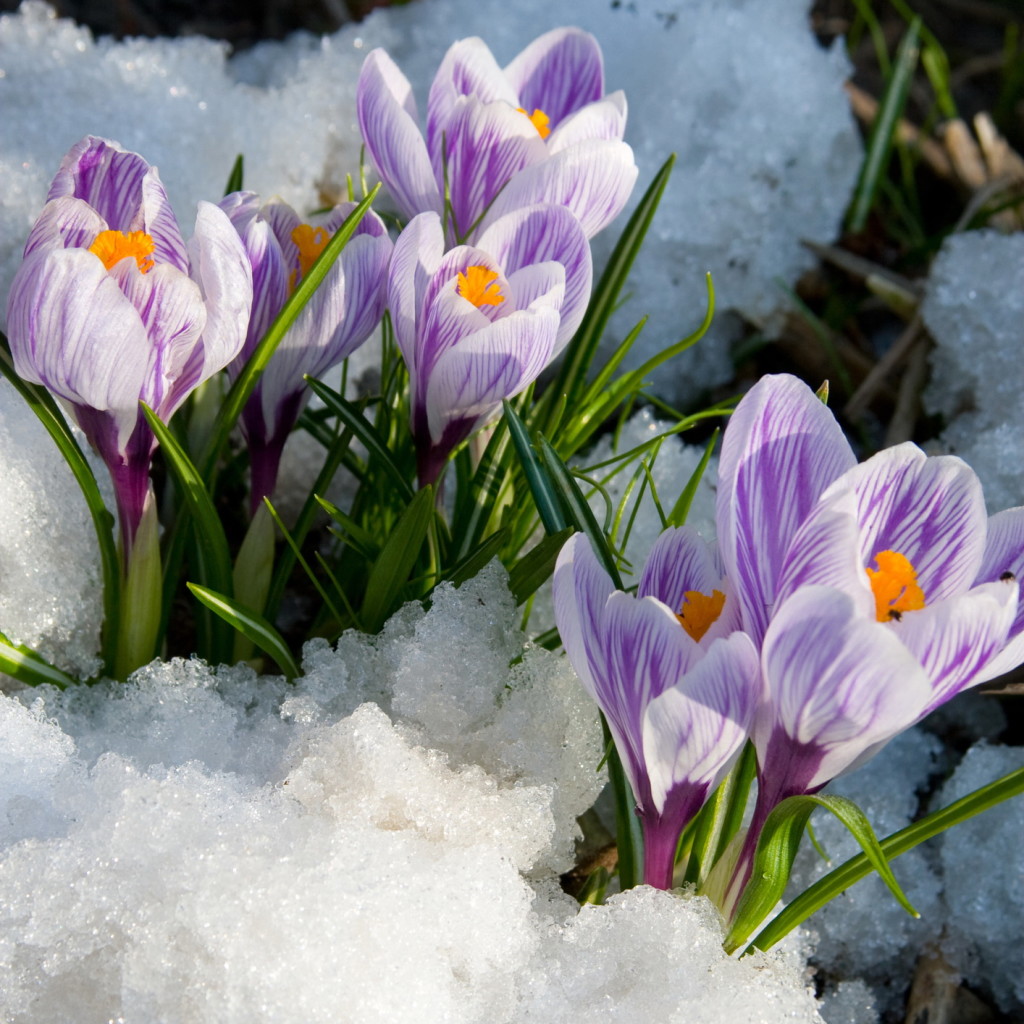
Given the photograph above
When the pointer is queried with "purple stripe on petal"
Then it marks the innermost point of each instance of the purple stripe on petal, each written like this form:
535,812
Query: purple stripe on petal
387,120
414,261
546,233
468,69
71,328
693,730
65,223
158,221
680,560
559,72
781,450
107,177
931,510
487,144
957,639
470,379
1004,553
592,179
834,681
542,284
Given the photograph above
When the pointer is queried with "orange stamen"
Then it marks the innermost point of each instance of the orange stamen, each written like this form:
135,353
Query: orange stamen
700,611
478,285
539,120
894,584
310,242
114,246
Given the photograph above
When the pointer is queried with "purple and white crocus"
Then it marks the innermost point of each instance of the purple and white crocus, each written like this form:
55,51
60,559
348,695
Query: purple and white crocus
337,319
678,684
873,589
477,324
110,307
541,130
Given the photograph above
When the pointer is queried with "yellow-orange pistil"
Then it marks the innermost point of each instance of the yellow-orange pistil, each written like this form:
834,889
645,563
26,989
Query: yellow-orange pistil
894,584
479,285
114,246
700,611
310,242
539,120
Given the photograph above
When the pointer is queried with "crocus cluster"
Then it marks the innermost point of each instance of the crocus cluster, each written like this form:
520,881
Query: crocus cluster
518,169
844,603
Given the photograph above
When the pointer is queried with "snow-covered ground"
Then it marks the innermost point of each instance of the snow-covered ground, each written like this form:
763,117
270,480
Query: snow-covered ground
381,841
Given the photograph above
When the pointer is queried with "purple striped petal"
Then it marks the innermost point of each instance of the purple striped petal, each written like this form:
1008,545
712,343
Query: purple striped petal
542,284
73,330
539,234
580,591
468,69
781,450
65,223
956,640
220,267
559,72
487,145
592,179
1004,553
387,119
469,381
931,510
159,222
171,308
836,684
414,262
693,730
605,119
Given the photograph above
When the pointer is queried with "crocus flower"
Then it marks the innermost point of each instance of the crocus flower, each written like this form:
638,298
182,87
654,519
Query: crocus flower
110,306
539,131
339,317
677,684
477,324
878,594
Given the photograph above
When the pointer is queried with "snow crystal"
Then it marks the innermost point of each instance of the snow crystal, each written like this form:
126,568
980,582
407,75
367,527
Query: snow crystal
973,311
985,857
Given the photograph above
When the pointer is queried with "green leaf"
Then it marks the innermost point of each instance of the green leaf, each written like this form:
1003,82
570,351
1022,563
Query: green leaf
48,413
853,870
483,553
246,381
249,623
579,512
391,571
235,177
537,565
214,558
681,509
572,375
351,532
883,131
776,851
22,663
628,832
364,431
537,479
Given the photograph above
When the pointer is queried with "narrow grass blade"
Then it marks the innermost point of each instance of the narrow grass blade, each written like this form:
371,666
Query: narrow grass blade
250,624
580,353
776,851
22,663
537,479
628,832
391,571
484,552
214,558
48,413
579,512
883,131
351,415
236,176
681,509
244,383
536,566
853,870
